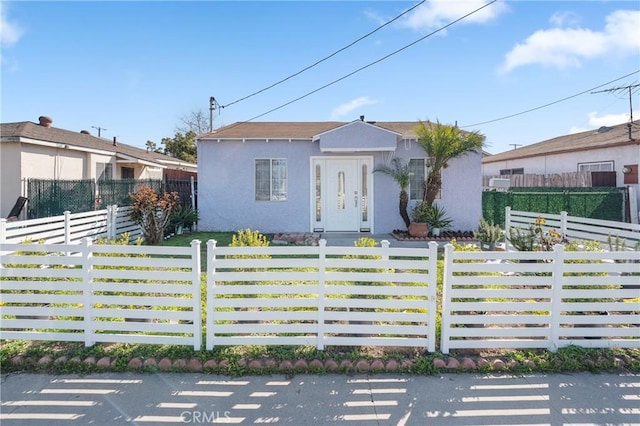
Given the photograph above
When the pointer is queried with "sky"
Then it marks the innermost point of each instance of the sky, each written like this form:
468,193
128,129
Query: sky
134,70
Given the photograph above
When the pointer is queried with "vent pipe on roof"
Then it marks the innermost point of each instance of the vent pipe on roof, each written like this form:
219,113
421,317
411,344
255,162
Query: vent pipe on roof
362,118
85,132
45,121
115,142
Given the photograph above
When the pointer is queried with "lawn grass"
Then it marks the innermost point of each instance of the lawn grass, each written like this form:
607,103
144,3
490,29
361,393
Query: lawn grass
223,239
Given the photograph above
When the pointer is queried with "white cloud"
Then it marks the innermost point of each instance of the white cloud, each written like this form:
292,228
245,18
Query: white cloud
560,19
569,47
10,31
436,13
595,121
348,107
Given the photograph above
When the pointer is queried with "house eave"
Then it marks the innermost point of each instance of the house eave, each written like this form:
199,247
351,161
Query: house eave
125,159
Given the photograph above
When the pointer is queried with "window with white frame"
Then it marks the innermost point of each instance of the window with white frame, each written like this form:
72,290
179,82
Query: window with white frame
416,182
104,171
509,172
271,179
602,166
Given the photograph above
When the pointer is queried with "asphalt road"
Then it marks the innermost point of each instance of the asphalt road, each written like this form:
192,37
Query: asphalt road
380,399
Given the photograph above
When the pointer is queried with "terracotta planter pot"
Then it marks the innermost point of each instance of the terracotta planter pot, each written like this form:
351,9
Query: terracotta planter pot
418,229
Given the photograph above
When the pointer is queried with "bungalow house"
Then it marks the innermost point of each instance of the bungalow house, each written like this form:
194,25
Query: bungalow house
40,151
318,176
611,154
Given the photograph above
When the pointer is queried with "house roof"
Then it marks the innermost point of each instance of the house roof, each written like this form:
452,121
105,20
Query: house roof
29,130
604,137
298,130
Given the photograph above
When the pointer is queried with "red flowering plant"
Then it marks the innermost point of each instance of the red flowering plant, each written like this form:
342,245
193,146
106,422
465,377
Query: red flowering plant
152,212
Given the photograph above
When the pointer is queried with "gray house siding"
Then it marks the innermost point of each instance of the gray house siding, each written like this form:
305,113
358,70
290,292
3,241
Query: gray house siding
359,137
226,193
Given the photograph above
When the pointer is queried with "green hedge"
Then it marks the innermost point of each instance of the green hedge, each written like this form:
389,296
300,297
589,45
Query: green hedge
605,203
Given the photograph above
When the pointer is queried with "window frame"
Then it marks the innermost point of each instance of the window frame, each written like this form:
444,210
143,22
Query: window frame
101,171
420,190
272,182
599,163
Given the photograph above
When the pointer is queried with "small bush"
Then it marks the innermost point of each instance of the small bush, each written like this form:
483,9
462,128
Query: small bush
248,238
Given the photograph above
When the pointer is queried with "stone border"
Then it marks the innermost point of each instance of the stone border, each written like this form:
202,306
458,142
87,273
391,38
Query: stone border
268,365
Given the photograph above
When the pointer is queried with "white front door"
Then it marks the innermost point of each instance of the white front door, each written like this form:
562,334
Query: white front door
342,195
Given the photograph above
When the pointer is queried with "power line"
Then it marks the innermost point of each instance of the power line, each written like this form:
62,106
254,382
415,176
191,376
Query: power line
323,59
550,103
374,62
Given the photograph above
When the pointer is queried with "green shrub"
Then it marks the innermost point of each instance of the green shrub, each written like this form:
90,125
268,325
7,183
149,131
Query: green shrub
488,232
248,238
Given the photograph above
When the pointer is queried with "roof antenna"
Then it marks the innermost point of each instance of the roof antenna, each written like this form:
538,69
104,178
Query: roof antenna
99,129
622,89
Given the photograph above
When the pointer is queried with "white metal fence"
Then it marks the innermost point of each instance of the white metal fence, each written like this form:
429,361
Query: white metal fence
321,296
71,227
577,228
540,299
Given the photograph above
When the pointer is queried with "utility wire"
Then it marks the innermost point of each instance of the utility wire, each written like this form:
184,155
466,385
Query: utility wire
374,62
550,103
325,58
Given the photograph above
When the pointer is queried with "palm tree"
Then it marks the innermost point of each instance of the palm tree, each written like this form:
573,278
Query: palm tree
400,173
443,143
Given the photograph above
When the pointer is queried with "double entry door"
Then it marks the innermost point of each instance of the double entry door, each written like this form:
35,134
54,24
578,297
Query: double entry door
343,188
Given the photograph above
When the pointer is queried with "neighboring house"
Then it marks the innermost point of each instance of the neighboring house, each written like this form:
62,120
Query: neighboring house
611,152
40,151
318,176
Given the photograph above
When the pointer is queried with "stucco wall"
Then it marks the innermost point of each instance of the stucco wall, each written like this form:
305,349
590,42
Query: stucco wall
226,193
226,198
10,186
41,162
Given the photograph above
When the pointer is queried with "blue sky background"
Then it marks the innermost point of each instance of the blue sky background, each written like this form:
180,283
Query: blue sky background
137,68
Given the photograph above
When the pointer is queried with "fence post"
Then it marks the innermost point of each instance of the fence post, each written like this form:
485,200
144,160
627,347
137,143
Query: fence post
446,315
507,225
322,255
385,246
67,227
3,230
563,223
556,296
109,224
210,293
432,293
196,296
114,221
87,291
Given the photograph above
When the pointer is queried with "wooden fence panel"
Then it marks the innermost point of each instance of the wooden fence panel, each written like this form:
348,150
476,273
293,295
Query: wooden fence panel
334,296
540,299
101,293
578,228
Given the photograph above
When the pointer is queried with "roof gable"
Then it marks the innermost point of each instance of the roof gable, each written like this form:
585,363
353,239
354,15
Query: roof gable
358,136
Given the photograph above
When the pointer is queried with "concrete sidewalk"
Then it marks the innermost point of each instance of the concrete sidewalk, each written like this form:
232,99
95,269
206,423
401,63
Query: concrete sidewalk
380,399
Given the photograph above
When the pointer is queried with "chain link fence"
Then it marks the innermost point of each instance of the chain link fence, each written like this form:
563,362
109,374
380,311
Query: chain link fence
48,197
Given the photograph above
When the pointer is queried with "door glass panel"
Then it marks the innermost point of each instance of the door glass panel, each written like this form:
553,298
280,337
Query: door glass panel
365,195
341,194
318,194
